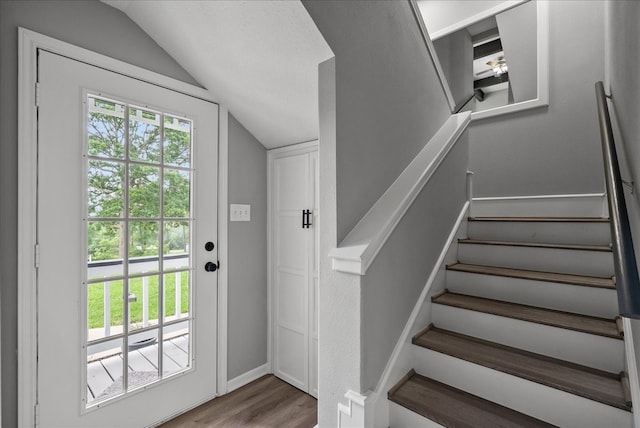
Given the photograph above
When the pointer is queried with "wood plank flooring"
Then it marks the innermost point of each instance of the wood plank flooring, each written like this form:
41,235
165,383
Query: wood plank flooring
580,247
452,407
583,323
265,403
584,381
564,278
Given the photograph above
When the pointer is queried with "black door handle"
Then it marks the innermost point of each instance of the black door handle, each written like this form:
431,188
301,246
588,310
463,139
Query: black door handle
211,267
306,219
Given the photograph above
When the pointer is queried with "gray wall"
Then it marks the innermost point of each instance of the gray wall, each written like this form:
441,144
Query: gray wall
455,53
624,63
622,71
394,281
389,102
247,309
554,150
518,34
92,25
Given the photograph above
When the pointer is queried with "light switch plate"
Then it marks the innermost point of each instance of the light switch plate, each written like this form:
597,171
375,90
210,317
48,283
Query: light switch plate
240,212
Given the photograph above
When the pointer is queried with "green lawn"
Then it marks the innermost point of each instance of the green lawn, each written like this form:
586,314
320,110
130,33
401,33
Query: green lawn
96,299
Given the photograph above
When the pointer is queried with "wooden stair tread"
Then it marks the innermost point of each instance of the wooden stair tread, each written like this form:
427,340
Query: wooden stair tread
543,219
570,321
579,380
604,248
589,281
452,407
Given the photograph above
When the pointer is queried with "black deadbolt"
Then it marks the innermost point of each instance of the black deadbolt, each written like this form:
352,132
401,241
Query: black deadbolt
211,267
209,246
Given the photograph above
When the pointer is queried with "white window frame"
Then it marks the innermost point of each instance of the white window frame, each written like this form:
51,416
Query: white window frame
28,44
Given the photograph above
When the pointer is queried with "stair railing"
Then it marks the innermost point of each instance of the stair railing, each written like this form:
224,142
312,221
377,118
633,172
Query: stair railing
624,259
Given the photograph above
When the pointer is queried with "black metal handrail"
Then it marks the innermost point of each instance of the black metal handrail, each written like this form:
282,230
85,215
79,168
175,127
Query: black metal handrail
463,104
624,259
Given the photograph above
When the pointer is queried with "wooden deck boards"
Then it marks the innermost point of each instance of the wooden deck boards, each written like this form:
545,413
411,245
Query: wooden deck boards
103,374
265,403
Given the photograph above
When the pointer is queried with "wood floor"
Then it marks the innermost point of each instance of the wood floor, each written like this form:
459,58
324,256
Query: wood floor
265,403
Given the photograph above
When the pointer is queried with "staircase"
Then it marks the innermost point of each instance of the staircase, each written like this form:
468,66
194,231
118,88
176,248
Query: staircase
525,334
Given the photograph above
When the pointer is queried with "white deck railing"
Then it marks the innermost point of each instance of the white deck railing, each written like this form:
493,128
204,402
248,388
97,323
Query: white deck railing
109,269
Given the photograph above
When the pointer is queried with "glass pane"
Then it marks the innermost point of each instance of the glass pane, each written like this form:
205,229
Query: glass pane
104,371
105,247
144,135
143,358
176,295
175,349
105,307
144,191
105,128
177,189
105,189
144,246
143,302
176,245
177,141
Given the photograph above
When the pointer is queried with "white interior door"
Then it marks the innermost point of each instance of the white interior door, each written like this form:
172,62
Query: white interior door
127,202
295,269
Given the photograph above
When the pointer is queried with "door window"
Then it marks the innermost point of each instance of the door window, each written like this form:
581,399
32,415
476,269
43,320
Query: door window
138,240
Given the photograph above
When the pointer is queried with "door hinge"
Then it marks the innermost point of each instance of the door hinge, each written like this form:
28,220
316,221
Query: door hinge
36,256
37,100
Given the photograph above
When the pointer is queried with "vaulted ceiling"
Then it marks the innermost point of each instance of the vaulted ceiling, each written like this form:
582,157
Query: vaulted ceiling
257,58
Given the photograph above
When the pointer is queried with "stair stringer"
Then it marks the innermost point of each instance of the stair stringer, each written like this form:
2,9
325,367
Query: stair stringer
401,360
631,342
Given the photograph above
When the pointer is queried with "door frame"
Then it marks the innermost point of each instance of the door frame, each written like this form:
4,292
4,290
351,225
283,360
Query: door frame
28,44
272,155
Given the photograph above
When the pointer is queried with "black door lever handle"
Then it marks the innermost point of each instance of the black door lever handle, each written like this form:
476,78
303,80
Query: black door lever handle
211,266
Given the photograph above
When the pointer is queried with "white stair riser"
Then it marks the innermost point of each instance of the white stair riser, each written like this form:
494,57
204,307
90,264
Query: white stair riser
592,205
581,348
585,233
579,262
599,302
531,398
401,417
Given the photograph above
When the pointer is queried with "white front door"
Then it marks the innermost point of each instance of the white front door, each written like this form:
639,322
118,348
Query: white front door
127,215
295,265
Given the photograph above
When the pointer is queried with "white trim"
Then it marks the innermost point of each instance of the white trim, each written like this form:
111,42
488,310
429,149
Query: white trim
542,99
574,205
358,250
354,411
502,7
223,248
292,149
632,367
433,54
28,44
248,377
383,383
27,188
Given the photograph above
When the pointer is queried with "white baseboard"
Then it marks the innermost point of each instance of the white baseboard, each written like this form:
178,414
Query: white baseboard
578,205
247,377
354,414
